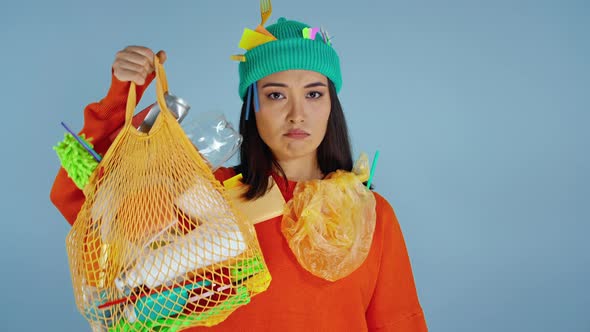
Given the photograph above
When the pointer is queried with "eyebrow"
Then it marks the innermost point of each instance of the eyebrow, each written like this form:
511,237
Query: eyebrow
283,85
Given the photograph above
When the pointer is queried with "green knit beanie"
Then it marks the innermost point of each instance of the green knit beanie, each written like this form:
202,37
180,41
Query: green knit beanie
290,51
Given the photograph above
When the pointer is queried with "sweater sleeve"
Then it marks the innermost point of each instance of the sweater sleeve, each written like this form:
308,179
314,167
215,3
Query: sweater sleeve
394,305
101,120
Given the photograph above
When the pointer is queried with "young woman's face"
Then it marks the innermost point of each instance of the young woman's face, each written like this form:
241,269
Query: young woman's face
294,110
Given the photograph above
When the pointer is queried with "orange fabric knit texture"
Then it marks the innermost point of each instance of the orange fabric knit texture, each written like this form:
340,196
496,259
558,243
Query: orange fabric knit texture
379,296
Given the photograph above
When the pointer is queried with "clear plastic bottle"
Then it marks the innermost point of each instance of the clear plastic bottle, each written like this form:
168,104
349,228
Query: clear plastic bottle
214,137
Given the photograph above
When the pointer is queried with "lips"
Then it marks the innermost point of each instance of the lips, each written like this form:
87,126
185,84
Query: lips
297,133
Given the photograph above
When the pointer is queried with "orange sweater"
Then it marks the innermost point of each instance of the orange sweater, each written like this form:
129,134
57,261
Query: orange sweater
379,296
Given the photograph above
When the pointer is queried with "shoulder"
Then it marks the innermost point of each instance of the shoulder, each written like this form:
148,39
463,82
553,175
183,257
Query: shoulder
387,225
383,208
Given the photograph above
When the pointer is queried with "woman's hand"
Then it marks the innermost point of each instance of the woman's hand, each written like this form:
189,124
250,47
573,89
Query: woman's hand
135,63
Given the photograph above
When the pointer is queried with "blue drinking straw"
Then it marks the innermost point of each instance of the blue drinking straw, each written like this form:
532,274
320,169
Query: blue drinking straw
248,101
96,156
256,100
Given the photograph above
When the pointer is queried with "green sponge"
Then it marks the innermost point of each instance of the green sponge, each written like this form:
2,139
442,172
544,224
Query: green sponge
75,159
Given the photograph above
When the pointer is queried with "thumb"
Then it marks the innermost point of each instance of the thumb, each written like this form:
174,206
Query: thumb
162,56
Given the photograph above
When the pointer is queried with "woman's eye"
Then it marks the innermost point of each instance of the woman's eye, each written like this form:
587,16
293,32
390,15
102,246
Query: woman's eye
275,96
314,94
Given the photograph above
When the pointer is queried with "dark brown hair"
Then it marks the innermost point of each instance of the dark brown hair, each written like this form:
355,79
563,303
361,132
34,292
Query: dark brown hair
257,160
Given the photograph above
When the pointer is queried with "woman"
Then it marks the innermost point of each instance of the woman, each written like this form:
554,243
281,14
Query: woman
294,130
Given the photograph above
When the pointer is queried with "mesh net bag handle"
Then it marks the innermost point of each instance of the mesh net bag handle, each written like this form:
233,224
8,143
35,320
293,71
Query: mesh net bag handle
158,245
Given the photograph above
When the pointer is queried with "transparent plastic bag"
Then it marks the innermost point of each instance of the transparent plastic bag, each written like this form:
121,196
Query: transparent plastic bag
329,223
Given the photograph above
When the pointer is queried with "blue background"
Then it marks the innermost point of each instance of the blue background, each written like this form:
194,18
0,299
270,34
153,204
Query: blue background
480,110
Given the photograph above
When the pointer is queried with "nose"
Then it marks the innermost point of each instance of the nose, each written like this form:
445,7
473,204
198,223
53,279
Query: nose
296,111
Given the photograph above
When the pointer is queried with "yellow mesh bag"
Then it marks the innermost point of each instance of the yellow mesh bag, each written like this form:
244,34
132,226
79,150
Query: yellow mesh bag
158,246
329,223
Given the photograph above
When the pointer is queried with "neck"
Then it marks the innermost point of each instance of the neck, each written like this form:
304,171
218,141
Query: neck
302,169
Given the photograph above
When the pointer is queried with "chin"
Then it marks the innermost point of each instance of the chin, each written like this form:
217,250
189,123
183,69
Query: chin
294,153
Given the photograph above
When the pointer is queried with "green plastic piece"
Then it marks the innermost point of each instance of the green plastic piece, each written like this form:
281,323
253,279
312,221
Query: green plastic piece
180,322
245,269
75,159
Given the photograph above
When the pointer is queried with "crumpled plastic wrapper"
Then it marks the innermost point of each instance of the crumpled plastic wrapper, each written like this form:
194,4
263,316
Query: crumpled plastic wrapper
329,223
